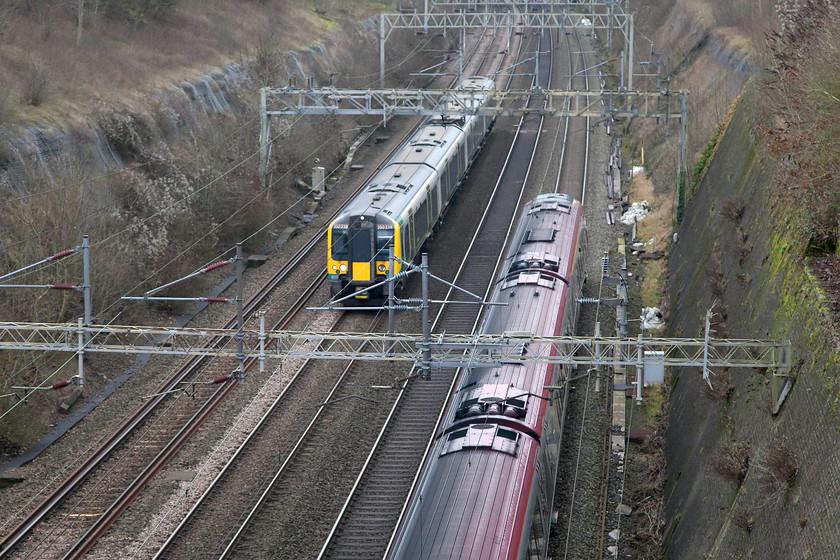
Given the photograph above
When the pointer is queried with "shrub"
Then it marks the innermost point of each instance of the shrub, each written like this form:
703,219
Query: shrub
778,469
732,463
743,519
36,85
741,247
734,209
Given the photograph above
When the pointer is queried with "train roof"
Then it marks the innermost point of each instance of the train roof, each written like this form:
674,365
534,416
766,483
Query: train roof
394,188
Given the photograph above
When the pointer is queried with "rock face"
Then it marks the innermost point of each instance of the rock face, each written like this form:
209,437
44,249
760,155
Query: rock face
746,265
97,145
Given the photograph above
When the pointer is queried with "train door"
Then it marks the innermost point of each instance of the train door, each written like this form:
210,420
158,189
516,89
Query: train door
361,248
434,195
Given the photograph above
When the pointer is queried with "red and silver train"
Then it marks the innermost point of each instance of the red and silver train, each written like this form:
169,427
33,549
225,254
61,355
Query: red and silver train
402,203
487,488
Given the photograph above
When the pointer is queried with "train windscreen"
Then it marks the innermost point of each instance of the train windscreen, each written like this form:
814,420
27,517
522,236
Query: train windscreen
384,237
339,244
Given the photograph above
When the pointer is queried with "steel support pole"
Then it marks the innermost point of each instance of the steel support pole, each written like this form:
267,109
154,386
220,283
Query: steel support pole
265,138
86,277
597,353
262,344
630,55
426,16
706,337
683,171
461,58
382,50
391,302
623,63
80,351
240,315
427,327
640,369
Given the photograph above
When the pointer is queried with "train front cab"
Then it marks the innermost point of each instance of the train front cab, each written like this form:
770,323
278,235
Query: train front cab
358,257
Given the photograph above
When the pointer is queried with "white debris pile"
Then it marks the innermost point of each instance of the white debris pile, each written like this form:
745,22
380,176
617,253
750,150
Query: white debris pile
636,212
638,169
652,318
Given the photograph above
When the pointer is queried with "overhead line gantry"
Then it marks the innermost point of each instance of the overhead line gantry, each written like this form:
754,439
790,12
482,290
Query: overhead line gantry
445,350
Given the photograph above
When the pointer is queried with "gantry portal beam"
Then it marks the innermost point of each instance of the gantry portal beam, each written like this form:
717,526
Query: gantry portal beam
403,102
447,350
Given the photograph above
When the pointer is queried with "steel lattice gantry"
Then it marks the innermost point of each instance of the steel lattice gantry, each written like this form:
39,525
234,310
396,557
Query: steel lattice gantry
613,18
447,350
483,350
406,102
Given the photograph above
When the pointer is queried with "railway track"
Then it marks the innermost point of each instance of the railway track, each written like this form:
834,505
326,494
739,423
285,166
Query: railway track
278,491
582,488
372,512
88,502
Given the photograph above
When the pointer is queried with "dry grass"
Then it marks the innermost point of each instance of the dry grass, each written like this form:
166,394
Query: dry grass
656,230
122,61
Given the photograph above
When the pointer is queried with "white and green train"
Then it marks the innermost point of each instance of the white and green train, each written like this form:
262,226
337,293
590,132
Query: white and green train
401,203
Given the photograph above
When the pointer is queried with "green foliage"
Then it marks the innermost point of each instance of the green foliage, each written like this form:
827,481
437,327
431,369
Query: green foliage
706,156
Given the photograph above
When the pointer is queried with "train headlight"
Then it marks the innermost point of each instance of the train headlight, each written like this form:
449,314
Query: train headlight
381,268
335,267
343,268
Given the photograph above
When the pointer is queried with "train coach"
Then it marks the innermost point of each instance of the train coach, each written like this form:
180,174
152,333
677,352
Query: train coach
402,203
487,487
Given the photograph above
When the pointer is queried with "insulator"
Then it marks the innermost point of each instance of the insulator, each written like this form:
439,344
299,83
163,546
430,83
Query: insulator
62,287
494,409
214,266
221,379
60,384
215,299
511,412
475,410
589,300
62,254
605,264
